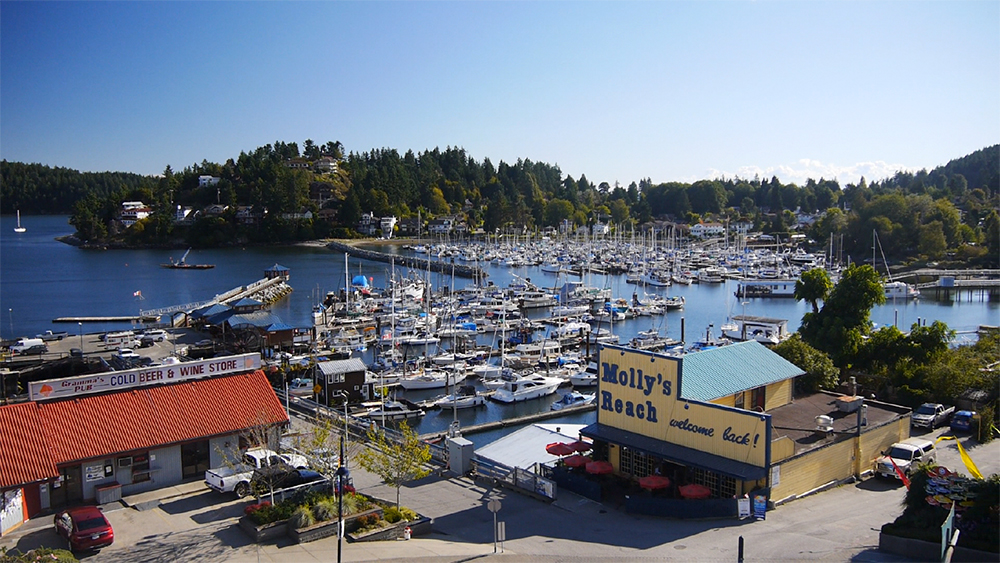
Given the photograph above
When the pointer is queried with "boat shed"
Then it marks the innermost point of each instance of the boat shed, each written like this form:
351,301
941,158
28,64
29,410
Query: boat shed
727,419
98,437
337,377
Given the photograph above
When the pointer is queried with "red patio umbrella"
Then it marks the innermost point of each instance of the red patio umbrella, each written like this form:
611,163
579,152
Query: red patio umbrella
560,449
653,482
581,446
695,491
600,468
576,461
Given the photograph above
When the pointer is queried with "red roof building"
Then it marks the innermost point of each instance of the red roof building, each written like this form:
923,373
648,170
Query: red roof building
53,448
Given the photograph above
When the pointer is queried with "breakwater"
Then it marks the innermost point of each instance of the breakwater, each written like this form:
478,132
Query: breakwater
414,262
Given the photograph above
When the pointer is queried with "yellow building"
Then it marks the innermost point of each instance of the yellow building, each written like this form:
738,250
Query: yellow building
727,419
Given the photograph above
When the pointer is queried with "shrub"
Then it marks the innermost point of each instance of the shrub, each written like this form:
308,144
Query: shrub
251,508
392,515
302,517
353,503
325,510
40,554
407,514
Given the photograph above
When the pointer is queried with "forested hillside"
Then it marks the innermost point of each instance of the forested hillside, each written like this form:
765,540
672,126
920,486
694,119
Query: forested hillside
263,196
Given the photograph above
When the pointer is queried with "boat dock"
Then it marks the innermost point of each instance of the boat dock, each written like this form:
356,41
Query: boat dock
504,423
461,270
143,318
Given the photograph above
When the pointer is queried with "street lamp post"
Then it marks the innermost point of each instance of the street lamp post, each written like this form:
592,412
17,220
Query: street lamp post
80,326
342,474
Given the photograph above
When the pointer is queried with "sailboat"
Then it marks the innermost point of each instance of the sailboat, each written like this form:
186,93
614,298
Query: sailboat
19,228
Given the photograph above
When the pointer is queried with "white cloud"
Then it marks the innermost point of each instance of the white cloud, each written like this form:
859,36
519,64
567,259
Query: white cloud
806,168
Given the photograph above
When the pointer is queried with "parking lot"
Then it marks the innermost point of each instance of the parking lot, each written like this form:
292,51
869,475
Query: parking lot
200,524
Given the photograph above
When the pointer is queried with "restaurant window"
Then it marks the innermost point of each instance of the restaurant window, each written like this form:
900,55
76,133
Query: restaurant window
721,485
635,463
738,400
140,467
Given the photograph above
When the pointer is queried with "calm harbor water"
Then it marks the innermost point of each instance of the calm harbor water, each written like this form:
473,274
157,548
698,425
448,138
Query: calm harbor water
42,279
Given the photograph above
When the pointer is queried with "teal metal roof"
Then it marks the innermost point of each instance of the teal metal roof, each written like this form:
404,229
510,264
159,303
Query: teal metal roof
727,370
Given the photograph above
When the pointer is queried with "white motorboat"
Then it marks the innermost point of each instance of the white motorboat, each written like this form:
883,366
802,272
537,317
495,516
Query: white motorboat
465,397
432,379
586,377
526,388
300,387
900,290
573,399
395,410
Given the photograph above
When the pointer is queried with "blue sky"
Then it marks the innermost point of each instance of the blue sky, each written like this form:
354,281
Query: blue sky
672,91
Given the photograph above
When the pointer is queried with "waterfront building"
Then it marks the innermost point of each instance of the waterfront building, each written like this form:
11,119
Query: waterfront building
728,420
97,437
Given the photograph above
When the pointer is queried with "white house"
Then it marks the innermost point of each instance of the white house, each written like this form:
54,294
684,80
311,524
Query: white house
387,225
600,229
702,230
133,212
440,226
207,181
325,165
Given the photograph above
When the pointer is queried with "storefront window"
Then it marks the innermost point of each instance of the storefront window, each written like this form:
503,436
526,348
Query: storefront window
140,467
721,485
635,463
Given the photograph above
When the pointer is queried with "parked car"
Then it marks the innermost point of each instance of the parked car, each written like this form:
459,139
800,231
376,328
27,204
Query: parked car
237,477
85,528
282,477
127,354
931,415
905,455
157,335
962,421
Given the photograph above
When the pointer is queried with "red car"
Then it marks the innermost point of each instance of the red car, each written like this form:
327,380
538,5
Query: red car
85,528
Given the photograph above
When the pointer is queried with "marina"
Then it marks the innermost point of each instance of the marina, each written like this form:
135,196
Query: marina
613,309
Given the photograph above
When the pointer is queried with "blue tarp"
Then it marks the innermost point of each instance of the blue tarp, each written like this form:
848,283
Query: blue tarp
359,281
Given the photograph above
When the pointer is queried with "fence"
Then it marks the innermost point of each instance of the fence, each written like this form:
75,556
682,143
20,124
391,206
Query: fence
515,477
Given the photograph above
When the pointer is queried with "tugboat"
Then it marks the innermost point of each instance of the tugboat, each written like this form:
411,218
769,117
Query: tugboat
183,265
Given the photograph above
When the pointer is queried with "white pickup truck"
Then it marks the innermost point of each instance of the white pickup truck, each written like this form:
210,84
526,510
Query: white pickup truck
237,478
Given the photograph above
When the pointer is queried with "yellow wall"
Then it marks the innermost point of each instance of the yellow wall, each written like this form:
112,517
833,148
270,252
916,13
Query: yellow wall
874,442
813,469
726,401
638,392
782,448
778,394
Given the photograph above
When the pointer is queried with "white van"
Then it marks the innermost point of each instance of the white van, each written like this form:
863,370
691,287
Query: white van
26,343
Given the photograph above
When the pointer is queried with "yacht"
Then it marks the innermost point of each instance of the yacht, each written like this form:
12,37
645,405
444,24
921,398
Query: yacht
900,290
526,388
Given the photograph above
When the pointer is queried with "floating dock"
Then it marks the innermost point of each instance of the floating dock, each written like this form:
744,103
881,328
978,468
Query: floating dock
127,319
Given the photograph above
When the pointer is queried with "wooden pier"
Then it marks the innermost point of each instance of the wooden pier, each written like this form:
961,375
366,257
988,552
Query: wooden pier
144,318
507,422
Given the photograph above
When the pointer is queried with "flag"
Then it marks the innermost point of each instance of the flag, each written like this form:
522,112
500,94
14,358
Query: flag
902,476
969,464
137,294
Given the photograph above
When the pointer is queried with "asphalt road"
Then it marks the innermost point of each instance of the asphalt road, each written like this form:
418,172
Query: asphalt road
836,525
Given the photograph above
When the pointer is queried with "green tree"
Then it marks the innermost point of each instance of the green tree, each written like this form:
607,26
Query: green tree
931,241
396,462
820,371
619,212
839,327
814,285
